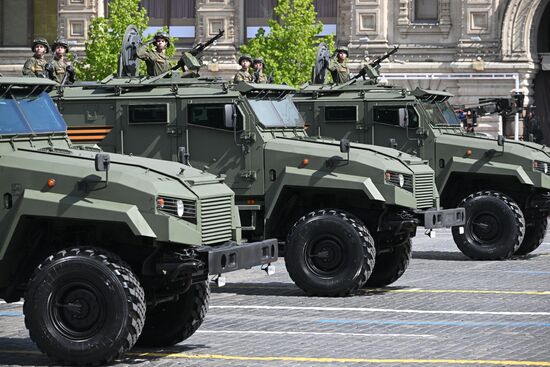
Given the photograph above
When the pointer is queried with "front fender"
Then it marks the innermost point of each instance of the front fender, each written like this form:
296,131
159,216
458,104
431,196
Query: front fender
473,166
46,204
303,177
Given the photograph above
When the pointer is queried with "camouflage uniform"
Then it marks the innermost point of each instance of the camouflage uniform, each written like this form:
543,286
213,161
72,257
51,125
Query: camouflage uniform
59,66
35,66
259,76
243,75
157,62
339,70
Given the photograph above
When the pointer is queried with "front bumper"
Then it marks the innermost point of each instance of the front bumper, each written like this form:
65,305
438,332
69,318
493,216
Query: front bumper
232,256
441,218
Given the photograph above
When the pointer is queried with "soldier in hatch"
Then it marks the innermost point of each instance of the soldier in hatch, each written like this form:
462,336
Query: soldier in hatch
36,65
258,75
243,75
60,69
338,66
156,60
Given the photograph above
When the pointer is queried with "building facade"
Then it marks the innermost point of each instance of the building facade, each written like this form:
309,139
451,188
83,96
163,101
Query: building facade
472,48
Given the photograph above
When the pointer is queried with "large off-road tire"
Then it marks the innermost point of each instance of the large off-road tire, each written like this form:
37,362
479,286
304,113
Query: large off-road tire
534,234
329,253
84,306
390,265
172,322
494,228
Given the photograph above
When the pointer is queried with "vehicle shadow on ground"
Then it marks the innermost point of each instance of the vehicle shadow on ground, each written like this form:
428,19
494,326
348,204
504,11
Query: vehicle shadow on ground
440,255
22,352
458,256
279,289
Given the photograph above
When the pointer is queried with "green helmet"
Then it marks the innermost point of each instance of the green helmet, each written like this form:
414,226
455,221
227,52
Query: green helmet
245,57
164,36
258,60
61,42
40,41
343,49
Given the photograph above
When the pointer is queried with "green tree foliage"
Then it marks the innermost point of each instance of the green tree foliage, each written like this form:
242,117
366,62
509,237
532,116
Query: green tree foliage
290,48
105,39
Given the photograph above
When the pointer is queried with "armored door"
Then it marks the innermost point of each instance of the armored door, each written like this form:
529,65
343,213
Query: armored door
217,140
393,125
148,128
338,119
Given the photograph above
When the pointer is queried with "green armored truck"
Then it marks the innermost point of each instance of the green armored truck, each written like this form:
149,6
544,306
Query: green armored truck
334,207
106,250
503,185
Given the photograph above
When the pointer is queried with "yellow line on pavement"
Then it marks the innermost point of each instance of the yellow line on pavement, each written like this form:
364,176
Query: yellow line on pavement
314,359
342,360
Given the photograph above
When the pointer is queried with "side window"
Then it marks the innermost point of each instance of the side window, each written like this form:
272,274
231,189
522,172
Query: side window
217,116
395,115
341,113
148,114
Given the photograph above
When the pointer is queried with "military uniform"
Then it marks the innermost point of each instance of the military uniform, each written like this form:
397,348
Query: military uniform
339,70
157,62
59,66
243,75
258,75
37,66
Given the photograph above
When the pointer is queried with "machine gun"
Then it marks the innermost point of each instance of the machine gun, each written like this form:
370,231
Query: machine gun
190,59
371,70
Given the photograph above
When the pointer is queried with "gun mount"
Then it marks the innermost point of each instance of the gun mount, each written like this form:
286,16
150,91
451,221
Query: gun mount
190,59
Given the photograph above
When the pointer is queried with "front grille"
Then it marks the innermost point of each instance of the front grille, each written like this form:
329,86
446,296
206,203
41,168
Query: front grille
216,219
424,190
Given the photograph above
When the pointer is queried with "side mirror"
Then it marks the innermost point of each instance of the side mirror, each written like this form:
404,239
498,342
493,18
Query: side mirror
403,117
344,145
230,116
500,140
102,161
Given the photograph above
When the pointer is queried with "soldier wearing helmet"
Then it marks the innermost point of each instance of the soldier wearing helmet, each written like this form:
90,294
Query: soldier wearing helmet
156,60
60,69
36,65
243,74
258,75
338,65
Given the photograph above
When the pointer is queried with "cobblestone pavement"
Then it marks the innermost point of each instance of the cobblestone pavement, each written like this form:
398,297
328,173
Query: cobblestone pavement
446,310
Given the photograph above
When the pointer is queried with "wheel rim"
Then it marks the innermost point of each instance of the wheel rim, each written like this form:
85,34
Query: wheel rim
486,228
324,255
77,310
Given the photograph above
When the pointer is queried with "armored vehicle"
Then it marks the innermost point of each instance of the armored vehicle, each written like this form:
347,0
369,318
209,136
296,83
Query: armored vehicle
106,249
334,207
503,185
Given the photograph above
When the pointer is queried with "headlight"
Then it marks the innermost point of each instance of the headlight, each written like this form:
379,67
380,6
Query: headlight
181,208
540,166
400,180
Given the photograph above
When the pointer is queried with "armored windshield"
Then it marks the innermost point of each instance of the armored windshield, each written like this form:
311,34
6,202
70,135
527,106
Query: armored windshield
277,113
441,113
34,114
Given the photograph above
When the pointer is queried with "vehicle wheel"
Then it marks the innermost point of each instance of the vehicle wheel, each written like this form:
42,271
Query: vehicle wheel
84,306
329,253
534,234
170,323
494,226
390,265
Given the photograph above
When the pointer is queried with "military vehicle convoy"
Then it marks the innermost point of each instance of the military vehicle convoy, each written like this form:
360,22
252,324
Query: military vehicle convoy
106,250
503,185
335,207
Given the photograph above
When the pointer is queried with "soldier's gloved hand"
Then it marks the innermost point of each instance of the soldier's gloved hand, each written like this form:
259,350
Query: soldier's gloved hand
70,69
48,71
